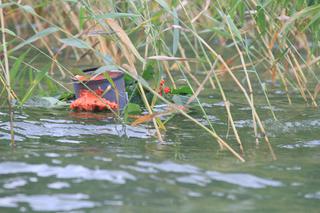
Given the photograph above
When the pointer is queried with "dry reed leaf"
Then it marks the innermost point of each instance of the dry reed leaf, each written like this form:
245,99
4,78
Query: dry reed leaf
149,117
124,37
174,67
316,91
144,119
204,10
274,39
223,68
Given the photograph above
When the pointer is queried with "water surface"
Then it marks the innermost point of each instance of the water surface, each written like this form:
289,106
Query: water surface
65,163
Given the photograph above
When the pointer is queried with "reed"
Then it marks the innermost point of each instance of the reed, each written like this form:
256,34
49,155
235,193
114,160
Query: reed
6,74
276,40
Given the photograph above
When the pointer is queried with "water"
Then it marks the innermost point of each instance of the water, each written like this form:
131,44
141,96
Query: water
66,163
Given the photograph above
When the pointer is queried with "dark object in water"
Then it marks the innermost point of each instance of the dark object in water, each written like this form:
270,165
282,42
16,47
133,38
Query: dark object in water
99,82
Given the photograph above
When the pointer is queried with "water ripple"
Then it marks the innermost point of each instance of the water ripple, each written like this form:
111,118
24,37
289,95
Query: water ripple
278,127
315,196
244,180
54,202
168,166
307,144
15,183
58,185
68,172
35,130
203,178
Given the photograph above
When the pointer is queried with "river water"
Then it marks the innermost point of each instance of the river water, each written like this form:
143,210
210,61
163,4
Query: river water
66,162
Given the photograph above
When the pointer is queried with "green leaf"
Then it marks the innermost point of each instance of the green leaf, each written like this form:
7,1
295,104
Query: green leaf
78,71
16,67
4,5
148,73
128,80
75,42
300,3
233,27
9,32
82,17
35,37
184,90
28,9
34,83
133,109
164,4
104,69
66,96
116,15
314,19
261,19
72,1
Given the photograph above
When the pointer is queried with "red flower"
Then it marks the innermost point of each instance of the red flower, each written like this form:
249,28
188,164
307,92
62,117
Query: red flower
166,90
162,82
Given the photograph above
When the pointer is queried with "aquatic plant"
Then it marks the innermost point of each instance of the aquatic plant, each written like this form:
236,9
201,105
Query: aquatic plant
247,41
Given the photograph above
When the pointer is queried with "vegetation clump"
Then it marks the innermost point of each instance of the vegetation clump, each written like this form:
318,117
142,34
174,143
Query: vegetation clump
195,46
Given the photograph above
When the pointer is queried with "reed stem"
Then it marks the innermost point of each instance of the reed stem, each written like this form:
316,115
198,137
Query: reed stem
6,72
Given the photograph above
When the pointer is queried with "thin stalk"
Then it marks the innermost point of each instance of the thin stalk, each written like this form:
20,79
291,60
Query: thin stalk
227,103
219,57
249,86
212,133
6,72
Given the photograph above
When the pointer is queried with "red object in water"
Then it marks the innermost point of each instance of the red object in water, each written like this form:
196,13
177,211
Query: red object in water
166,90
89,101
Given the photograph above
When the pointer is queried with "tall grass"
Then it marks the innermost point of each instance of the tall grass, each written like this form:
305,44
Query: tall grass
5,78
276,40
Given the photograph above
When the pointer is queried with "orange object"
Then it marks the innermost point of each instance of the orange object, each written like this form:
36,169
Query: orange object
89,101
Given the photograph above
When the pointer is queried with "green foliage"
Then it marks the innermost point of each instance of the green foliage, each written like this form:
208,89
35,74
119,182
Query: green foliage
35,82
66,96
132,108
17,67
75,42
116,15
82,17
184,90
36,37
261,19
